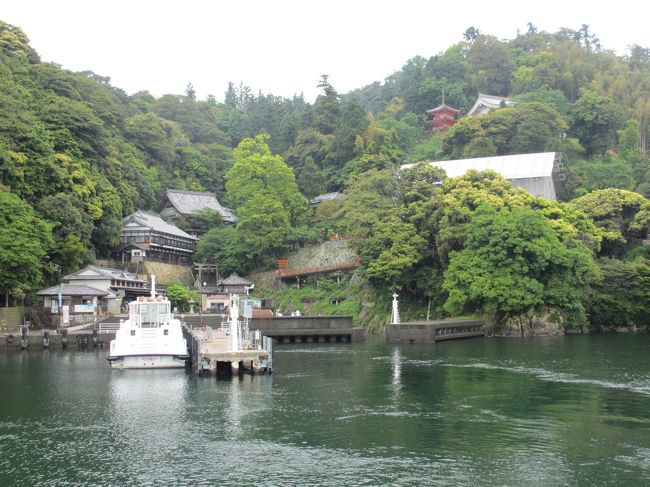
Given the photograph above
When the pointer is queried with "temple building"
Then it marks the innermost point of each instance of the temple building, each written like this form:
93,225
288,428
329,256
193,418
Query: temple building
146,236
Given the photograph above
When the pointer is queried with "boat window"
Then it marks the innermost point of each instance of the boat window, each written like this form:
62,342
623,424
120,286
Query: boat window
152,314
132,333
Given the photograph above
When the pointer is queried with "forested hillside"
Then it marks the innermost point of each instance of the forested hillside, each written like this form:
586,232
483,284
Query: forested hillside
77,154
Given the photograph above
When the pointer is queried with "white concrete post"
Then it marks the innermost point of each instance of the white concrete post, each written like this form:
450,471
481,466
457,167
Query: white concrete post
394,319
234,322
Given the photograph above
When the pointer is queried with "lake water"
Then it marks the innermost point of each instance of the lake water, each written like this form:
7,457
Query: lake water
494,412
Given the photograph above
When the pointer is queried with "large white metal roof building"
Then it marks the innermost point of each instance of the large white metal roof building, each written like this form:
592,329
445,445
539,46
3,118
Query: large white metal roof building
532,172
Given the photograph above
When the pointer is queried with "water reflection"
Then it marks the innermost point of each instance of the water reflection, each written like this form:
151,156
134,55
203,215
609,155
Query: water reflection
147,419
396,366
484,412
233,410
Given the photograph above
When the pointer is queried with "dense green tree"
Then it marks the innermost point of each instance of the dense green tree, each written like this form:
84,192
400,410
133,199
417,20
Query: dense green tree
72,229
595,121
258,173
25,241
263,223
555,98
327,107
157,138
619,215
426,150
390,253
224,246
524,128
309,144
14,43
352,122
491,65
372,198
460,198
196,118
513,265
590,175
621,294
310,179
179,296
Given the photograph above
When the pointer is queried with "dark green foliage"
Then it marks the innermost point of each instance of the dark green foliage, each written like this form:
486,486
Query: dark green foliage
25,241
225,247
71,231
524,128
595,122
513,264
621,296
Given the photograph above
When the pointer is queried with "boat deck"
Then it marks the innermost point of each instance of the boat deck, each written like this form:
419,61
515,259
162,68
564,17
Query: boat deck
209,348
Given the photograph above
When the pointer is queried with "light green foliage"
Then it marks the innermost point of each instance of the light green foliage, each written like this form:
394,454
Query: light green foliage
263,223
260,174
25,241
179,296
618,214
14,42
391,252
513,264
427,150
372,198
461,197
555,98
405,135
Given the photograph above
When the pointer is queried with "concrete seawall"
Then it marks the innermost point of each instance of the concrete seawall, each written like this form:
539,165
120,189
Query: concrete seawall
434,331
289,329
75,340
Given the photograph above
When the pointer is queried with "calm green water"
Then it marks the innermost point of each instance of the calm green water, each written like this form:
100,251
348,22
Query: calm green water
493,412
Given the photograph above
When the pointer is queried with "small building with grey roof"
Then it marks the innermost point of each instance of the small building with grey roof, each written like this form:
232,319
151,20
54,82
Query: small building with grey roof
90,292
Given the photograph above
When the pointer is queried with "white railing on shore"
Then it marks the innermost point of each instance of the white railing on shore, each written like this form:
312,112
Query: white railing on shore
108,327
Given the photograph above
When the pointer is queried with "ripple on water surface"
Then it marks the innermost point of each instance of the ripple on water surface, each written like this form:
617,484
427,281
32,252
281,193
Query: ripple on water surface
482,412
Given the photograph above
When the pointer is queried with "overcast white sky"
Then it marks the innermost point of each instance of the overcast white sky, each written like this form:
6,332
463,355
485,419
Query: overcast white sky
283,46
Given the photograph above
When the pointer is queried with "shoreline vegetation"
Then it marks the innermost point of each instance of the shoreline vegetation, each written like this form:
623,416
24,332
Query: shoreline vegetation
78,154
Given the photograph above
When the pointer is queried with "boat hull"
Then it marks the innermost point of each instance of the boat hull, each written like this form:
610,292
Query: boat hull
148,362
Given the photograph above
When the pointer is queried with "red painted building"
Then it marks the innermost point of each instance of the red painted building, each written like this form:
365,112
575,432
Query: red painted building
441,118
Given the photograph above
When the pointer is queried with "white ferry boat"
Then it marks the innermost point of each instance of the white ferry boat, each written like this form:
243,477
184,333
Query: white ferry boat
150,338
